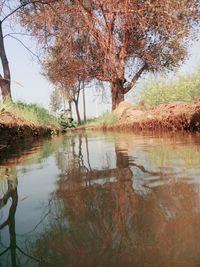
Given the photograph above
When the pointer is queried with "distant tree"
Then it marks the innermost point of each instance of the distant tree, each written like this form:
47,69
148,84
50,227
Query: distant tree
73,94
55,101
115,40
71,81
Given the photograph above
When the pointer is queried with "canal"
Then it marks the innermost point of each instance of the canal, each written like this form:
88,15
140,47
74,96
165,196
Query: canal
101,200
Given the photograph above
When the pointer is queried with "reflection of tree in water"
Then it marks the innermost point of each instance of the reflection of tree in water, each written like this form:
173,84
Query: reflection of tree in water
8,184
108,224
70,159
87,217
13,254
10,221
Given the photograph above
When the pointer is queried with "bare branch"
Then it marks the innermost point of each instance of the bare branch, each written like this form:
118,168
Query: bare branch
17,33
7,249
26,47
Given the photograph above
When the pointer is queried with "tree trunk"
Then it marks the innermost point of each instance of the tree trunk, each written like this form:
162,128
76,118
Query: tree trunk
117,93
70,105
84,107
77,113
5,79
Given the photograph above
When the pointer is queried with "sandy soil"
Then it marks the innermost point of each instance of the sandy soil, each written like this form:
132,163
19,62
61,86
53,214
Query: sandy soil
174,116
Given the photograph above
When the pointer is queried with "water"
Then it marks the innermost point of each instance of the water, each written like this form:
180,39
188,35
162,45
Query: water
101,200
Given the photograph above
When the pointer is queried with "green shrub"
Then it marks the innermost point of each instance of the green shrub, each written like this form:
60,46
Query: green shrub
66,122
185,87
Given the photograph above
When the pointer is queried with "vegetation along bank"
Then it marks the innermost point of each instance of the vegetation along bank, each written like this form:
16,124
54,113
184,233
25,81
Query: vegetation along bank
20,120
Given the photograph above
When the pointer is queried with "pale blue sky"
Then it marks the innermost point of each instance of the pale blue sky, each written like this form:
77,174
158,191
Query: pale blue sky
36,89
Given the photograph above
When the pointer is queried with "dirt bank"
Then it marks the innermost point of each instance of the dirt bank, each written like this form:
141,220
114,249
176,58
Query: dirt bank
174,116
13,128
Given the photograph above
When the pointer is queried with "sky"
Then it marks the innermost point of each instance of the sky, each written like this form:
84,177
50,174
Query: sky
29,85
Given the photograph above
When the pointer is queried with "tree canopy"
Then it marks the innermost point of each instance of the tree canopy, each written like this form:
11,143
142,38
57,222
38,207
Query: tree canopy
112,40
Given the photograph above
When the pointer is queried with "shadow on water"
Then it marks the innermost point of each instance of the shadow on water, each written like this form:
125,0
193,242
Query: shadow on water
115,203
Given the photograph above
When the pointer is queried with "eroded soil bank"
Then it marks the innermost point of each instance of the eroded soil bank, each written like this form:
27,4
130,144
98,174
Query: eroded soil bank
14,128
174,116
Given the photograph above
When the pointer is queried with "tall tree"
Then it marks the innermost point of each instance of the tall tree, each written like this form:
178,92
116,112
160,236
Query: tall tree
117,40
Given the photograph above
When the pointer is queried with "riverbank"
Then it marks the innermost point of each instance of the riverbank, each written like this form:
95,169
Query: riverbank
175,116
25,121
14,128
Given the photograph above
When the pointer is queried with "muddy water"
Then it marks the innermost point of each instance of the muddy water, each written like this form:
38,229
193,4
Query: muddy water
101,200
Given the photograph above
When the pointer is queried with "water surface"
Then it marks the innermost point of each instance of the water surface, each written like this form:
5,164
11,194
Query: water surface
101,200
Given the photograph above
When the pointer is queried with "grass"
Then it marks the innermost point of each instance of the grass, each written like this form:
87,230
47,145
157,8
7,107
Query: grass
32,113
106,119
184,87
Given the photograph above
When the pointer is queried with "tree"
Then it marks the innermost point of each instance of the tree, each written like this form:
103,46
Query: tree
117,41
55,101
70,91
7,10
73,94
71,81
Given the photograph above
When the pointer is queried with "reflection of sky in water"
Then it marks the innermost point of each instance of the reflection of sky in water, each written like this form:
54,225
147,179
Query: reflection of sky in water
34,189
103,181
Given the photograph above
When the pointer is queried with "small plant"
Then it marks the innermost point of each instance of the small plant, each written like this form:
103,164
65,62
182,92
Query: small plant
66,120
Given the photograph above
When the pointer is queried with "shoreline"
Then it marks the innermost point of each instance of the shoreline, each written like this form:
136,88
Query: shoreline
172,117
14,128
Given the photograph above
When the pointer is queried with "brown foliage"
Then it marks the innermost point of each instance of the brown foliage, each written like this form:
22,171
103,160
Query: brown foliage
112,40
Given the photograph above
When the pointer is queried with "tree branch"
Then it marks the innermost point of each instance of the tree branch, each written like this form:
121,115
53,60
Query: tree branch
24,5
135,78
17,33
89,20
29,256
4,224
26,47
1,254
